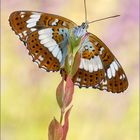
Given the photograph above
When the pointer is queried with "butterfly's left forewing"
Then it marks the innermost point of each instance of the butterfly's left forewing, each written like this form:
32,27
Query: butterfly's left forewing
45,35
99,68
25,22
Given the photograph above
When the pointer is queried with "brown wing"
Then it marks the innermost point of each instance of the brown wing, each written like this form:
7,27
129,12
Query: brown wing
25,22
99,68
45,35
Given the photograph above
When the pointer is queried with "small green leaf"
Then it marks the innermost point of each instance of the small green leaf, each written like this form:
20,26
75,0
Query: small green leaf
67,66
60,93
75,64
74,41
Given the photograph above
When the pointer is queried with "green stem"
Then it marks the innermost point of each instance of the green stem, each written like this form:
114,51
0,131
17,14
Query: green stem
62,115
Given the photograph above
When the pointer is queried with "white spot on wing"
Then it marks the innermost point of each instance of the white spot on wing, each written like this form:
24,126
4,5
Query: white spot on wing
104,82
55,22
85,64
33,20
121,77
78,79
20,34
45,31
45,37
44,41
55,51
33,29
25,33
90,66
22,16
77,83
51,42
22,13
37,61
98,61
81,65
112,69
101,50
59,56
31,24
41,58
109,74
95,43
64,24
35,16
104,87
115,65
50,48
95,65
41,37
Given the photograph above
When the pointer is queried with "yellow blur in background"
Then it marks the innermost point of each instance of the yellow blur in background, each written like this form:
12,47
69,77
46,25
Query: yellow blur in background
28,93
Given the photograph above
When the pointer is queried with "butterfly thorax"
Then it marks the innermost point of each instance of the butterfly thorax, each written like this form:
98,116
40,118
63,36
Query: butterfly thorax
80,31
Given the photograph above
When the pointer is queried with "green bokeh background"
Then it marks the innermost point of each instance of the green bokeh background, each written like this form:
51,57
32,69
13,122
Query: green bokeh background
28,93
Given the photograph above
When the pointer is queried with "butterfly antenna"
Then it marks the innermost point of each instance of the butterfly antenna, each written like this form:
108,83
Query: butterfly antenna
85,7
102,19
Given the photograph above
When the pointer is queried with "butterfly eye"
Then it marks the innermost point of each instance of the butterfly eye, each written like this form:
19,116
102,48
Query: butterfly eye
83,25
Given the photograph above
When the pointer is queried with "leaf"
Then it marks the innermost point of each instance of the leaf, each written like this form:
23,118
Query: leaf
67,65
76,64
77,46
74,41
55,130
60,93
84,37
69,90
66,124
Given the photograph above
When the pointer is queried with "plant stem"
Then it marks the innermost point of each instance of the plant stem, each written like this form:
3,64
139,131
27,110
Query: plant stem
61,117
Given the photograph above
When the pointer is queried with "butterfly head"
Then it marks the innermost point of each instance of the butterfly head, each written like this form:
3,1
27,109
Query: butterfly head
84,25
80,31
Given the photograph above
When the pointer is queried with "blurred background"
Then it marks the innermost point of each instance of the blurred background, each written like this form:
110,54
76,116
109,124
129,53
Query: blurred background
28,93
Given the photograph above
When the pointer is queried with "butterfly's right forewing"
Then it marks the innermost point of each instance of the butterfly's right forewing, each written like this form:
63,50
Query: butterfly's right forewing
99,68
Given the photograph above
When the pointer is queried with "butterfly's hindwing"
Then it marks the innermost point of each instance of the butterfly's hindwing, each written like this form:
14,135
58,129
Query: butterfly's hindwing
99,68
41,54
45,45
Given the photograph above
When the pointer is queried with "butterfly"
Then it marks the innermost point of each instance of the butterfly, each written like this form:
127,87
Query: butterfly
46,38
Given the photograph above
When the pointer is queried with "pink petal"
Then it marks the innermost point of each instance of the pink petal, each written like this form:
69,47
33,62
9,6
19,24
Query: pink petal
66,124
69,90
